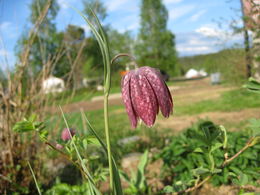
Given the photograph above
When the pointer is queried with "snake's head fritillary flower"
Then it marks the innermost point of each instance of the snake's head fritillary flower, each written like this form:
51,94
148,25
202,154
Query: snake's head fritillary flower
144,91
65,135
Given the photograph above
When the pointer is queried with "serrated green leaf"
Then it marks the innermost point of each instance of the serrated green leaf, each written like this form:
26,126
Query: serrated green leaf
252,85
168,189
32,118
43,135
93,140
255,126
243,179
85,143
217,171
216,146
200,171
198,150
23,126
255,141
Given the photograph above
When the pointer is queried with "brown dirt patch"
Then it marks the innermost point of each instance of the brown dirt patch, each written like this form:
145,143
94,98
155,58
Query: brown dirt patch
181,122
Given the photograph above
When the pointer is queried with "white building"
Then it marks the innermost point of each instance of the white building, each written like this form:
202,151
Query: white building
53,85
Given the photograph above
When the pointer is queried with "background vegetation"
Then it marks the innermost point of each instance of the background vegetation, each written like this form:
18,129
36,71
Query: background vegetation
74,55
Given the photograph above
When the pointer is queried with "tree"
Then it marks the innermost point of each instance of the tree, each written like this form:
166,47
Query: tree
46,42
120,43
73,61
156,44
93,65
97,6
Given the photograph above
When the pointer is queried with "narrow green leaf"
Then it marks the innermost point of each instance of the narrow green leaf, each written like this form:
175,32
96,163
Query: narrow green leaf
90,179
34,178
224,133
140,180
117,181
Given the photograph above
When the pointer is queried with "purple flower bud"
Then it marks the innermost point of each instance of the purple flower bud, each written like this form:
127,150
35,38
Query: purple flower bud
59,146
144,92
65,135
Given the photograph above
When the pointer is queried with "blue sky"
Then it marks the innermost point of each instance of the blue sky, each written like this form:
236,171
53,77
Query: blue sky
194,22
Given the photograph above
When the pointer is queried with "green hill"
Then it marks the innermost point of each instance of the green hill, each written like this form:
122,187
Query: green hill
229,62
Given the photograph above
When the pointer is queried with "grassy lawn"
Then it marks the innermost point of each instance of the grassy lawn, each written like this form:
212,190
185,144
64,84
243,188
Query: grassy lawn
84,94
233,100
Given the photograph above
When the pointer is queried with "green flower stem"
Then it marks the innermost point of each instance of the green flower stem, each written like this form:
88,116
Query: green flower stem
108,140
107,76
248,145
122,55
212,162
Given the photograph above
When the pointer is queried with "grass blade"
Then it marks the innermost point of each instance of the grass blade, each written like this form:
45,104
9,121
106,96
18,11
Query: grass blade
117,181
90,179
34,178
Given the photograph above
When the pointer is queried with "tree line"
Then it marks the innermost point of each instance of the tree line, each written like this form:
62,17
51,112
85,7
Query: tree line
72,50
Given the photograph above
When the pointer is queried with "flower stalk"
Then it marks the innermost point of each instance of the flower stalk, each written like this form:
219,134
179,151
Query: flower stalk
122,55
103,44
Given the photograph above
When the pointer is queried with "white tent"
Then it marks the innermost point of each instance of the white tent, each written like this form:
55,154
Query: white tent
192,73
53,85
203,73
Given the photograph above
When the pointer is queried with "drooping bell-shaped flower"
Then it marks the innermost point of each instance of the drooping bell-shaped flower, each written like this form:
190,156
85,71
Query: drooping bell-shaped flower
144,91
65,134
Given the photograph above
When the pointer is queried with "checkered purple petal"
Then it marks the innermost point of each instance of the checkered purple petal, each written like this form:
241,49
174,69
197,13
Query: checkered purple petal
125,88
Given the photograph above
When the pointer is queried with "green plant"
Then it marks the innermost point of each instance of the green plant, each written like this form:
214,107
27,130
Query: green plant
252,85
137,182
207,152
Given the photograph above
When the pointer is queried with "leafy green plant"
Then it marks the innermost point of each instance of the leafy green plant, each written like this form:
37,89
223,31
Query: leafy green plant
253,85
137,182
66,189
206,151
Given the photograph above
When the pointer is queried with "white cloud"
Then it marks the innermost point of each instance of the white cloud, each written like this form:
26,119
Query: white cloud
8,29
172,1
196,16
86,28
5,26
223,35
177,12
193,43
114,5
195,49
130,22
209,31
131,27
7,59
208,38
64,4
4,53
